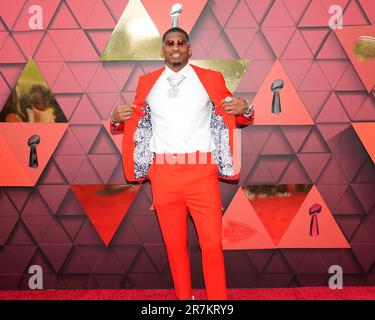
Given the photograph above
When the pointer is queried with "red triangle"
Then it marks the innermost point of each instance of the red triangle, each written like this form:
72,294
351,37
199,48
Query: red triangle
365,132
4,89
369,8
8,209
297,235
277,165
69,145
158,9
333,70
85,113
52,175
278,16
108,210
6,227
81,9
260,174
82,50
9,13
99,18
48,9
331,133
241,17
21,236
37,225
83,72
315,16
116,7
314,38
69,165
296,115
66,82
207,38
354,15
102,81
352,101
350,81
53,195
86,135
19,197
277,144
223,10
349,204
64,19
297,48
104,164
277,212
120,73
296,136
56,254
28,41
103,144
295,174
50,136
99,38
259,8
47,50
104,103
87,174
364,193
331,49
278,38
367,110
50,71
313,163
3,36
296,70
259,49
242,228
65,40
71,225
10,52
296,8
348,37
241,38
314,101
315,80
332,111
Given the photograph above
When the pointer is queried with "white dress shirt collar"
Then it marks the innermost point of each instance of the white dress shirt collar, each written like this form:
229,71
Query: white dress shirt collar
184,71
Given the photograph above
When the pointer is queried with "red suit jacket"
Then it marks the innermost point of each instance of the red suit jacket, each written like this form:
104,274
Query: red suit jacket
137,156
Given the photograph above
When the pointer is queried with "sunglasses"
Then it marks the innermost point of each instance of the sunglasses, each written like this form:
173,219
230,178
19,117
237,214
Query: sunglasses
171,43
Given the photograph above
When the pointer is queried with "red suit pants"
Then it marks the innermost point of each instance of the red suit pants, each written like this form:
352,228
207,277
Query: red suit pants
178,188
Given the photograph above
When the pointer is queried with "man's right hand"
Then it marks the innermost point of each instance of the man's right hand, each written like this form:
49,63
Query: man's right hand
122,112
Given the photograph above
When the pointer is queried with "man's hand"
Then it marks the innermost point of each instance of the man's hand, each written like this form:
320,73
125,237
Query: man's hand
122,112
237,106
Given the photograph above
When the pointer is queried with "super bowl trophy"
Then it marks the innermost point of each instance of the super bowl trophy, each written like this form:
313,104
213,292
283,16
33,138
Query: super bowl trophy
276,86
33,158
175,11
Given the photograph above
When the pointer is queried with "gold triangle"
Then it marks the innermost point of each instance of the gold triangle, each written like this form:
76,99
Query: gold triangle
135,36
232,70
18,106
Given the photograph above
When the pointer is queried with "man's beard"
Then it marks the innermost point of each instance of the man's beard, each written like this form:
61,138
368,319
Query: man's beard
176,64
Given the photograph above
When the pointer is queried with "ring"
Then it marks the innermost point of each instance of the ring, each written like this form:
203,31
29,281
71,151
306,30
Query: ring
228,99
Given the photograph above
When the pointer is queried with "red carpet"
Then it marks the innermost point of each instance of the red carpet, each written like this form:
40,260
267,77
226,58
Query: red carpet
305,293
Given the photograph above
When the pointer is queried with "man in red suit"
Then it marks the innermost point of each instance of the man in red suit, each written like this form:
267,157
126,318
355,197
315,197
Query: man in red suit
180,134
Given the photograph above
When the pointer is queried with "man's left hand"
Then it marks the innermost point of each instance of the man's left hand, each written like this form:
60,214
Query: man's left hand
237,106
